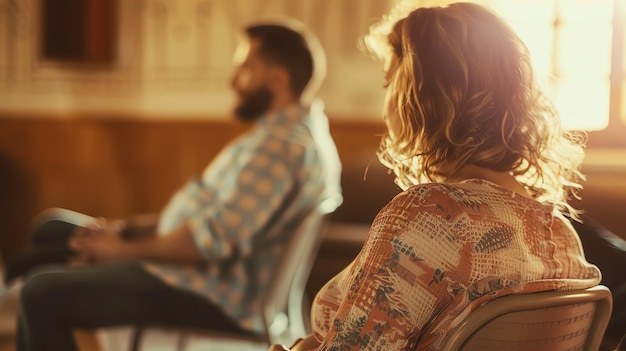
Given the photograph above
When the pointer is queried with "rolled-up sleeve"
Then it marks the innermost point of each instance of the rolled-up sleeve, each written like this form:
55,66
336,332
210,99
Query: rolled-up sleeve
263,179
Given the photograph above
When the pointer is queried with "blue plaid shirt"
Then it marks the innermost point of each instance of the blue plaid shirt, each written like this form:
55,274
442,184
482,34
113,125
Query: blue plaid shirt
246,204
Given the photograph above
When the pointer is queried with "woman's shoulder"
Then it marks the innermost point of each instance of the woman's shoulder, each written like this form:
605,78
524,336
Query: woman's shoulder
433,198
424,208
470,192
449,192
451,199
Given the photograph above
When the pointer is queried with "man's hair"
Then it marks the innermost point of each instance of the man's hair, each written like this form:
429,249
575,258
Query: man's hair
287,48
463,89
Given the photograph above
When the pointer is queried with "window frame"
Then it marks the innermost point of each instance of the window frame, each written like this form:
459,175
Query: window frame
614,135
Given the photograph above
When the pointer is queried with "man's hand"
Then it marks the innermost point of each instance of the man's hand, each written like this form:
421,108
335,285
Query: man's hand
99,242
102,241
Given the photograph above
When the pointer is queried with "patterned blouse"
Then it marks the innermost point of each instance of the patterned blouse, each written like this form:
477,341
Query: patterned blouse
435,253
244,207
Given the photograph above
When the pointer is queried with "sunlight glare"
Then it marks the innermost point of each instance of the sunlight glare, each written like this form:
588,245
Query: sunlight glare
584,58
570,45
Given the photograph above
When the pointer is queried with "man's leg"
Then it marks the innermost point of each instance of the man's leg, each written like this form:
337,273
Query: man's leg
54,226
52,304
50,234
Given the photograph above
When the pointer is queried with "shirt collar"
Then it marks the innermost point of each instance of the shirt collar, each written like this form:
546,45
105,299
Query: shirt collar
288,115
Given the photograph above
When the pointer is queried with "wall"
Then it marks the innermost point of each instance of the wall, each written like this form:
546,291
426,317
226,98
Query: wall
118,165
174,57
121,166
110,140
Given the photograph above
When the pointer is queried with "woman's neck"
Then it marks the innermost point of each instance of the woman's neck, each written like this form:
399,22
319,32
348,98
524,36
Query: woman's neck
503,179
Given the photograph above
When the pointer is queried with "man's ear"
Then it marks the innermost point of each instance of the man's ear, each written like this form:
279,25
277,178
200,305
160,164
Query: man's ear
279,80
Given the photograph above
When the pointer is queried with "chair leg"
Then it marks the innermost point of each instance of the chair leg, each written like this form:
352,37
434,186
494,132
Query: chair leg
182,342
622,344
136,338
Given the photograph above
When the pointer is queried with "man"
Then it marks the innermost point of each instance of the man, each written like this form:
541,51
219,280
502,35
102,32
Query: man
220,236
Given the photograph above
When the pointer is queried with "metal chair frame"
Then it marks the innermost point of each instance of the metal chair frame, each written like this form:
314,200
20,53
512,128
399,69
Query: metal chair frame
283,302
551,320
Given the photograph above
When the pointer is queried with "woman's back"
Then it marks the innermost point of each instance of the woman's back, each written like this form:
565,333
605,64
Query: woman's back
437,249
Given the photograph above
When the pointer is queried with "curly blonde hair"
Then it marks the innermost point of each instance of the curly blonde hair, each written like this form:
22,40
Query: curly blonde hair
462,89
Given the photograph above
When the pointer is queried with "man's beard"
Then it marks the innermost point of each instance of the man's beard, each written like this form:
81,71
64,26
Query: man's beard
254,104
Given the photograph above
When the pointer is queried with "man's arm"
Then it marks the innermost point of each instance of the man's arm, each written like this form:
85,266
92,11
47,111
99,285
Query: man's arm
105,245
141,226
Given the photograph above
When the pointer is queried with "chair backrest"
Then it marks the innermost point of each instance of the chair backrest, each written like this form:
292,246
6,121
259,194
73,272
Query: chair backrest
283,302
551,320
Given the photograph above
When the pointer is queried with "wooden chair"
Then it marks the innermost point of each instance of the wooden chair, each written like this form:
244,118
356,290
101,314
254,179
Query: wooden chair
552,320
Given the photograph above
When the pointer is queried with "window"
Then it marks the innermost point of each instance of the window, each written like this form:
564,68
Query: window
578,50
577,47
78,31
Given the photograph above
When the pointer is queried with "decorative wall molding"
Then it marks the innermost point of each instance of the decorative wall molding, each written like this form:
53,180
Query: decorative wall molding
174,56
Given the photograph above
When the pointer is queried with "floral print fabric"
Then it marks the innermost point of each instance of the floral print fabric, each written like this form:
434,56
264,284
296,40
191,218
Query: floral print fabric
435,253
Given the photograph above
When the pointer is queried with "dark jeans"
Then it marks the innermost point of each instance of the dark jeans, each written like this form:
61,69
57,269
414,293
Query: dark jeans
55,299
53,303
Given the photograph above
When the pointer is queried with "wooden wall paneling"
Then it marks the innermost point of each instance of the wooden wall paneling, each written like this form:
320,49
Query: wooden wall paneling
367,185
18,197
120,166
99,166
603,198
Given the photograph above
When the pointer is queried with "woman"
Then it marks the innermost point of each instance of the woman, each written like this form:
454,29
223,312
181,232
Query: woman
487,172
